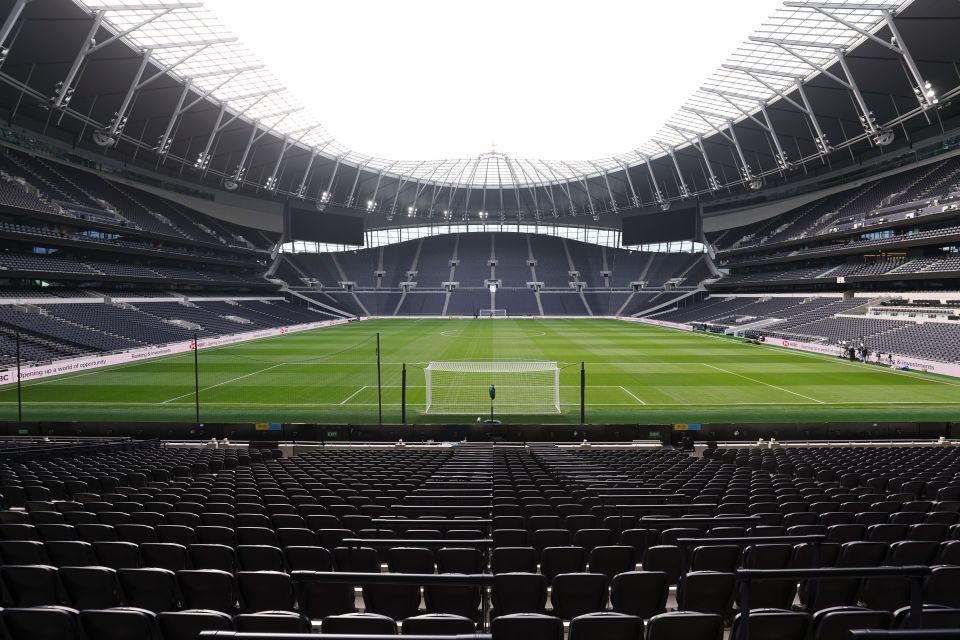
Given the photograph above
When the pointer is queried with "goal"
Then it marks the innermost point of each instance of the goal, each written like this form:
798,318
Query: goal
521,387
493,313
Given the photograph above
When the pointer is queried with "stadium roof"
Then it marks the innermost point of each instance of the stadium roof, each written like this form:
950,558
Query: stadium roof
164,80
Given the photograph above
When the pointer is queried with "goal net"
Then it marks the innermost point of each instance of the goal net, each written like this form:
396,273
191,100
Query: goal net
464,387
493,313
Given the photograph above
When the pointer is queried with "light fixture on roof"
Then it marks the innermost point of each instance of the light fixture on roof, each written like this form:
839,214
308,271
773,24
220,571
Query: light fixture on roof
202,161
926,96
884,137
446,214
411,212
482,215
371,205
325,197
233,182
665,205
103,139
823,145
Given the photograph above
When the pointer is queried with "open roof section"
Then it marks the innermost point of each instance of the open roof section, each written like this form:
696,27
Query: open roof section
230,73
258,139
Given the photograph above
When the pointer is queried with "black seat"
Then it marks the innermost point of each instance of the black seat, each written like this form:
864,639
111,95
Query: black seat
725,558
459,600
685,624
519,593
153,589
607,625
640,593
613,559
527,626
665,558
164,555
187,624
121,623
265,591
22,552
31,585
359,623
69,553
933,617
117,555
943,587
90,587
41,623
318,599
835,623
271,622
557,560
774,624
513,560
259,557
575,594
437,624
207,589
706,592
458,560
213,556
308,559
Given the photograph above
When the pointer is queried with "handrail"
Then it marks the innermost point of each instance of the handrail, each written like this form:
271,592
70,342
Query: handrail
905,634
411,523
747,540
441,579
480,543
248,635
701,521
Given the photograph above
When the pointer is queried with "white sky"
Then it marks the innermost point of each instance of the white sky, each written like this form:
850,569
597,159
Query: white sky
431,79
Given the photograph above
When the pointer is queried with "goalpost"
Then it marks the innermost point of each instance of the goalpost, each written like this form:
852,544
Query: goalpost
493,313
463,387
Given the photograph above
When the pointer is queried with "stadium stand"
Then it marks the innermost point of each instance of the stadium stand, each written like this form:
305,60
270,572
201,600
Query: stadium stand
171,541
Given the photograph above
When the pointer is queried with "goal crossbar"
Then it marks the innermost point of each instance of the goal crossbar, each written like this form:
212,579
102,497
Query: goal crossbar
522,387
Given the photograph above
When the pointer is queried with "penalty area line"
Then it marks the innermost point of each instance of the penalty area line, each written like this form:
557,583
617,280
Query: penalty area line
631,394
766,384
353,395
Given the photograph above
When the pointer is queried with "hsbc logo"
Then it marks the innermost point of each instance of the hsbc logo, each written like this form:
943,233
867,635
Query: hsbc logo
193,346
6,377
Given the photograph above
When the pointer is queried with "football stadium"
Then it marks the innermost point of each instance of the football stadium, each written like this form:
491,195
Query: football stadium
504,320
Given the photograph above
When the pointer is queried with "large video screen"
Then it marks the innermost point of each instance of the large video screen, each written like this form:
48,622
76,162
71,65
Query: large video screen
321,226
660,226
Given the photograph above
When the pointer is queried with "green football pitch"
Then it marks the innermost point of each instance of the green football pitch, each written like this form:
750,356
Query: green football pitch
634,373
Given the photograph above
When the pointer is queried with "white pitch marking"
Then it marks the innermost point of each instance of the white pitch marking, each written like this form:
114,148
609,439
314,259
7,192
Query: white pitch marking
631,394
220,384
772,386
347,399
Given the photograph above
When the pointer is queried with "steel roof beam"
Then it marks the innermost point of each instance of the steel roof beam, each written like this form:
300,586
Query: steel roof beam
697,144
684,190
8,24
288,143
66,87
897,45
867,118
766,125
823,145
657,194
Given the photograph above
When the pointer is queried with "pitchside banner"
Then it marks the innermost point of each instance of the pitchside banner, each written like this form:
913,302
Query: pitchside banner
899,362
95,362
